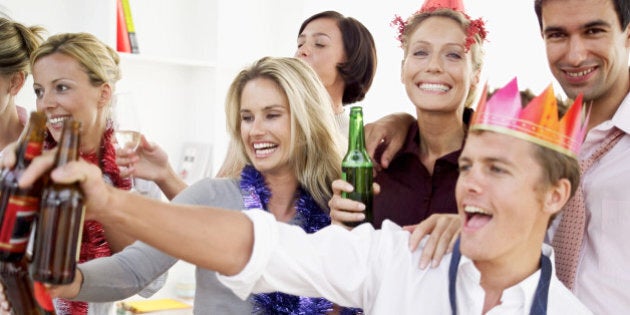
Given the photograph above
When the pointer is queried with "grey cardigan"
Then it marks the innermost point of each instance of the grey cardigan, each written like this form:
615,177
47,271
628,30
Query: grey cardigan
129,271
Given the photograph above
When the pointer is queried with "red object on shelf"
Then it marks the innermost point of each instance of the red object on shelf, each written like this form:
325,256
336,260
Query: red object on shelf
131,29
122,36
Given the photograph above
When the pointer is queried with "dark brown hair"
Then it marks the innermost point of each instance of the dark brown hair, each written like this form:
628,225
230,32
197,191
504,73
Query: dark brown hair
622,8
360,67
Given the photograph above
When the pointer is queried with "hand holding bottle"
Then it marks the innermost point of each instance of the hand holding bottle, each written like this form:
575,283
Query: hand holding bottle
344,209
67,291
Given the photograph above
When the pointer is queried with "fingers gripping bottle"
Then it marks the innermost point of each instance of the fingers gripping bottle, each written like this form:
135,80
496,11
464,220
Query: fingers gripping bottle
356,167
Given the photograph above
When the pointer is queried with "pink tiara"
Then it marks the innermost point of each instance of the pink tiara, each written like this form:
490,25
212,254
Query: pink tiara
476,27
537,122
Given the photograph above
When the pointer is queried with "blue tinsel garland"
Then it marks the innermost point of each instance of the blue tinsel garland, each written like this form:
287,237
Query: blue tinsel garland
311,218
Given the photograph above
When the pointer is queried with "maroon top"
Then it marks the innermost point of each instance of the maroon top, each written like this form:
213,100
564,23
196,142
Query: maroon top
409,194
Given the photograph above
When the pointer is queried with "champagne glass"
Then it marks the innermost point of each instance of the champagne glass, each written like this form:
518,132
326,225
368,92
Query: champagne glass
127,129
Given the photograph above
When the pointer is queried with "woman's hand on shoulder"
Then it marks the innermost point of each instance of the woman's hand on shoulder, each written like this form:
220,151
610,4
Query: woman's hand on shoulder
385,137
443,230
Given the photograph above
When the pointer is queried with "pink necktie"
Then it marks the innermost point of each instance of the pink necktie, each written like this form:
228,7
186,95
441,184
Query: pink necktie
567,241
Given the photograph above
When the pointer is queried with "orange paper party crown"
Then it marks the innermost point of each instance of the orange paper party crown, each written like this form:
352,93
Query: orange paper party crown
537,122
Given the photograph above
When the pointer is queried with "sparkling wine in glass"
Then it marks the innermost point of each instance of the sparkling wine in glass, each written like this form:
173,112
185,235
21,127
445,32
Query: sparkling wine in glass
128,139
127,124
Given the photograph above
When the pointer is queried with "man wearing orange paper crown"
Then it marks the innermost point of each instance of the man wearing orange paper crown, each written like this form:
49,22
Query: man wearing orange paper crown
518,169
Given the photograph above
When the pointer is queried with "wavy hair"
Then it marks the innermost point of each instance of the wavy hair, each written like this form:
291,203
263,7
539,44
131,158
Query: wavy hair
314,148
100,62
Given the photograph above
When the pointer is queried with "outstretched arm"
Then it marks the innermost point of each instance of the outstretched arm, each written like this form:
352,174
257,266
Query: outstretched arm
193,233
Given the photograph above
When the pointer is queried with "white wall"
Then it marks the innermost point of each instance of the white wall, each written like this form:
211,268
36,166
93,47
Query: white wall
233,33
514,47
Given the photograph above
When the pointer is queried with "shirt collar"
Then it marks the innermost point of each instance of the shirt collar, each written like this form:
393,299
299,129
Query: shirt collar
521,293
621,118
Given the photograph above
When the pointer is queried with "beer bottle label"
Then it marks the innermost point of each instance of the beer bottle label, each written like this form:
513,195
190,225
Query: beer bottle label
33,149
16,223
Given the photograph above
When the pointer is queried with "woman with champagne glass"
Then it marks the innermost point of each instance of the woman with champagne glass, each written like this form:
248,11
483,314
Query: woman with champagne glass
74,76
280,116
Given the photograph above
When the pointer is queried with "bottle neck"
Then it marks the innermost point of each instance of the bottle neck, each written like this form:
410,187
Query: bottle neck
31,142
69,144
356,138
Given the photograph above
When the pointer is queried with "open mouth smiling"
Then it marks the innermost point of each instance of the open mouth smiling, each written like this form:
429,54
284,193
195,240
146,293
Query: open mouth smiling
476,217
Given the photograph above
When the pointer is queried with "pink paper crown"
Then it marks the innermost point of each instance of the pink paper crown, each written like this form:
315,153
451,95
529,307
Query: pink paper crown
537,122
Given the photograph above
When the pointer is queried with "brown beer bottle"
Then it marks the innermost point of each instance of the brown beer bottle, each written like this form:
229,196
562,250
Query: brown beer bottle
60,221
18,289
18,206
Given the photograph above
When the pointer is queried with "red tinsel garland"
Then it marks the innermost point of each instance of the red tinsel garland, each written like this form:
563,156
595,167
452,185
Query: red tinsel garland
476,27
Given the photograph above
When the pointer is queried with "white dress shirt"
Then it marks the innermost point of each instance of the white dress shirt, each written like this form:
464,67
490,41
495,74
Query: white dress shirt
603,274
374,270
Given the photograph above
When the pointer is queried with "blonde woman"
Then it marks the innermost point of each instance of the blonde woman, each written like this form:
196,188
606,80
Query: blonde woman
280,116
74,76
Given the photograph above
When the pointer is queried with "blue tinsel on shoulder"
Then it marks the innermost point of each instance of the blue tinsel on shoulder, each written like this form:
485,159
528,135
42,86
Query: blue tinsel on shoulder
311,218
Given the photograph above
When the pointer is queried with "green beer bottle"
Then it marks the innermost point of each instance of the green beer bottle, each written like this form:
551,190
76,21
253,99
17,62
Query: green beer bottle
356,167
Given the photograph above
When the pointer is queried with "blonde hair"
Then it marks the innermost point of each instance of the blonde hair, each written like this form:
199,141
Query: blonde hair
314,147
17,42
476,49
100,62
